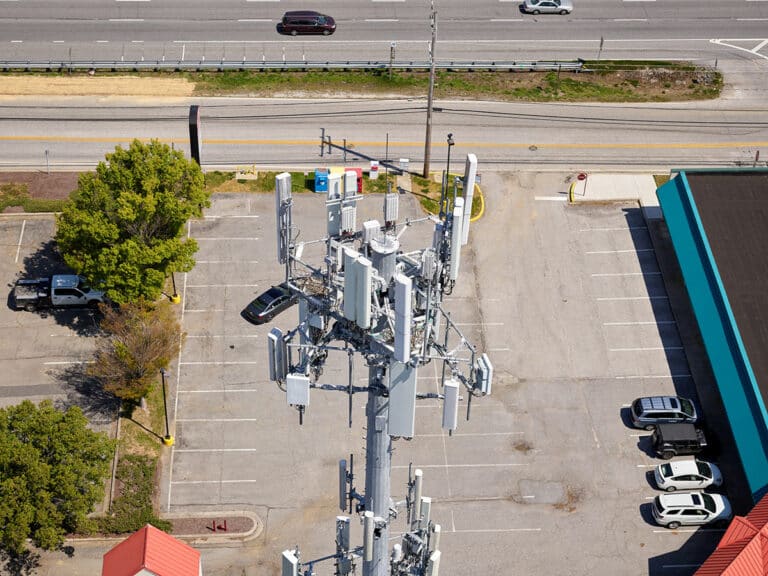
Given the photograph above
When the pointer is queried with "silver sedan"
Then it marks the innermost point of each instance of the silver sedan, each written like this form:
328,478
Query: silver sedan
547,6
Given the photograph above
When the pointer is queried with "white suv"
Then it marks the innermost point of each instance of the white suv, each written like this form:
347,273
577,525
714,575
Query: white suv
691,509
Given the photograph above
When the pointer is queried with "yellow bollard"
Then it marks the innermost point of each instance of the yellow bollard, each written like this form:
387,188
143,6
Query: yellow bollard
168,440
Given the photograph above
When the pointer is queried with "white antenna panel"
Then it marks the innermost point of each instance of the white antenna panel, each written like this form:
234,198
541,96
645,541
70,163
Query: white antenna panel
437,236
277,351
428,264
433,564
333,215
334,186
368,525
484,375
348,219
283,214
391,206
350,283
458,213
371,230
297,389
470,173
403,313
342,485
350,183
418,481
290,564
426,511
363,288
402,399
434,541
342,532
450,404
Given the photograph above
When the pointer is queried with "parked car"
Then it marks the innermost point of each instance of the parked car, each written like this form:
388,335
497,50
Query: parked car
547,6
681,439
306,22
648,412
270,304
690,509
57,291
687,475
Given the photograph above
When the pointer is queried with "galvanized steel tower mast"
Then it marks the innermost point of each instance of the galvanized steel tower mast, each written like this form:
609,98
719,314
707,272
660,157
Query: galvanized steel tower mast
372,298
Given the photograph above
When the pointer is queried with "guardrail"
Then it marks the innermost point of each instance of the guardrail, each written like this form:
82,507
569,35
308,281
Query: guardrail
114,65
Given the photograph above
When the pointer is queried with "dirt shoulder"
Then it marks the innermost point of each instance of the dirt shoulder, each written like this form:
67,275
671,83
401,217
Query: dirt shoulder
86,85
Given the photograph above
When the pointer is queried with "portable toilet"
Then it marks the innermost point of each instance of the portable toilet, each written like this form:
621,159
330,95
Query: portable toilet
321,180
359,172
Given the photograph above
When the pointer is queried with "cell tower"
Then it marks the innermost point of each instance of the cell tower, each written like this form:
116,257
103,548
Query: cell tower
370,297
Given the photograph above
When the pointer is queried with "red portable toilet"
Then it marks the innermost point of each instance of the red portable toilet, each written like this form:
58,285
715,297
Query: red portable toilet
359,172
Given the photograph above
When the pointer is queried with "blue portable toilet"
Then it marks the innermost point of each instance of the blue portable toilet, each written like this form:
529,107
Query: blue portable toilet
321,180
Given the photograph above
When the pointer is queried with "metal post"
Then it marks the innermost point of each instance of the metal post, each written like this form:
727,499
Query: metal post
345,150
391,57
47,165
431,92
322,141
377,469
446,179
167,439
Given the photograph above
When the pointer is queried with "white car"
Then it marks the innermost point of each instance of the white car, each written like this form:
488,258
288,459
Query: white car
687,475
690,509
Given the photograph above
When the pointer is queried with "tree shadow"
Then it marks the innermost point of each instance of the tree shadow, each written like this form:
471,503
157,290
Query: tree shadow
84,391
42,263
24,564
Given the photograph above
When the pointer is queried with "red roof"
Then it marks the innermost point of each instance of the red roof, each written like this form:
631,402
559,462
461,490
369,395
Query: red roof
743,551
153,550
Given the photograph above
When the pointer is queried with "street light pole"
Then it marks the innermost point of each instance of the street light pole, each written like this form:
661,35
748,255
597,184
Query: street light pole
167,439
431,92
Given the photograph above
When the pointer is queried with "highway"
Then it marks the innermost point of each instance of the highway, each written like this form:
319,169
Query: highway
73,133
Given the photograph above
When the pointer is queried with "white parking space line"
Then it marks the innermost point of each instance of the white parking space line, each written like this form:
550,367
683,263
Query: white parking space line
621,274
507,19
645,349
222,335
631,251
492,530
218,420
646,465
21,236
551,198
204,310
381,20
652,376
126,20
227,238
648,323
631,19
226,261
509,465
498,349
218,363
618,229
472,434
760,46
231,216
223,286
218,391
254,20
615,298
67,362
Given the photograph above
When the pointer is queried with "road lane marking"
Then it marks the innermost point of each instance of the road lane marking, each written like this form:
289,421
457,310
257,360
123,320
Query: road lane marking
126,20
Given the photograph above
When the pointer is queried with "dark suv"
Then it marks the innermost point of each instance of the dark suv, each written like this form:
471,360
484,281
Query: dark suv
307,22
677,440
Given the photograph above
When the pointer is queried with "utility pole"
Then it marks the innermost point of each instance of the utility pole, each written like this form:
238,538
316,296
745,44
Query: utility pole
431,92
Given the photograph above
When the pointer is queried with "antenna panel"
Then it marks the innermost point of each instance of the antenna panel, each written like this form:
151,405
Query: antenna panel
290,564
428,264
384,256
342,485
391,206
348,219
426,511
283,214
433,564
333,216
350,283
277,351
297,389
350,183
371,230
450,404
484,375
342,532
364,285
458,212
368,525
334,186
403,313
437,236
470,172
402,399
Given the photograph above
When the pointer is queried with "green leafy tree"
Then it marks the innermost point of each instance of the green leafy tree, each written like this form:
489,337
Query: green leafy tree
142,337
122,228
52,472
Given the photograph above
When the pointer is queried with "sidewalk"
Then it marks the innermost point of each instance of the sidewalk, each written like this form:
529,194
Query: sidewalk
616,188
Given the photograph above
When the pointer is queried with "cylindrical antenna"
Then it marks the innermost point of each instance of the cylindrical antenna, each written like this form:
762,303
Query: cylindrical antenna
416,514
368,525
434,540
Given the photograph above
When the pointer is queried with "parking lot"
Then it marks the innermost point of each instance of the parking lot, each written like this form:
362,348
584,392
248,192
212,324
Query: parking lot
546,476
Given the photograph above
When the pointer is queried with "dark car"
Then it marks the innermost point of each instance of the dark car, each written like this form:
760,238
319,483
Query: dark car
306,22
269,304
670,440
